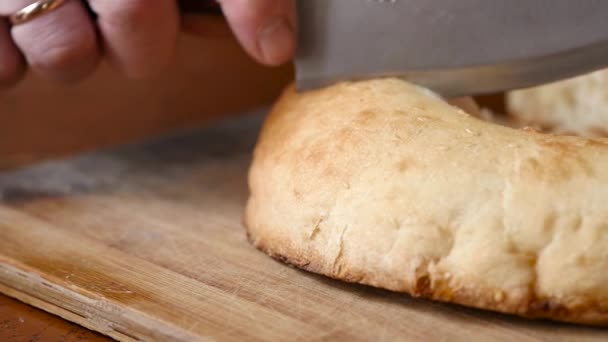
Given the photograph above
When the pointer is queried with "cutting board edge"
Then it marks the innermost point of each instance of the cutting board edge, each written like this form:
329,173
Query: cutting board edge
27,283
25,296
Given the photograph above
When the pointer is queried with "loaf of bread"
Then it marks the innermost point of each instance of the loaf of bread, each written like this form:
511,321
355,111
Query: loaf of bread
576,106
383,183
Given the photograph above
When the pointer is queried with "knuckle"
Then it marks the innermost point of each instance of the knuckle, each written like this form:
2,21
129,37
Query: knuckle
60,46
65,62
58,58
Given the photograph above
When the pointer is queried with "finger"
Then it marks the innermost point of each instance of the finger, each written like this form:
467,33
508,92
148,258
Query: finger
11,61
139,36
60,44
265,28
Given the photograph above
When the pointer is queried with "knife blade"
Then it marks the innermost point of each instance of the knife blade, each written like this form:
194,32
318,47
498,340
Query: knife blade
453,47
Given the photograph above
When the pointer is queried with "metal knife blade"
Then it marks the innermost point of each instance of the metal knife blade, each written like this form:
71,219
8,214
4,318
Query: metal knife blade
453,47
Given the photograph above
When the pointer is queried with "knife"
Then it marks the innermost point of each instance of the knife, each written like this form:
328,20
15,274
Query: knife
453,47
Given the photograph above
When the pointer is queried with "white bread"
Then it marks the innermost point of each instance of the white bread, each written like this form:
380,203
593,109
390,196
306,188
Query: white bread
577,106
382,183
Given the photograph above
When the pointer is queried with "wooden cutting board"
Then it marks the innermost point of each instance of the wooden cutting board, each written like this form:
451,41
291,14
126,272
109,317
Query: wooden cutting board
146,243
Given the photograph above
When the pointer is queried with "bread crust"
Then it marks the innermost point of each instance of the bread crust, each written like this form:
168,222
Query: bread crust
384,184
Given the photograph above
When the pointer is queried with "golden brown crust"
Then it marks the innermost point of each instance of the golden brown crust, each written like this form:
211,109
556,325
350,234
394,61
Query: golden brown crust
481,299
383,184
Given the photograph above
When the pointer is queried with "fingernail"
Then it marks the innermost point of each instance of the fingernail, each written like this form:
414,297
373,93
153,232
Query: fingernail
276,41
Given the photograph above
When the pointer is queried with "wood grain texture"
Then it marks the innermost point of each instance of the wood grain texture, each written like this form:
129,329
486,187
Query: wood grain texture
146,242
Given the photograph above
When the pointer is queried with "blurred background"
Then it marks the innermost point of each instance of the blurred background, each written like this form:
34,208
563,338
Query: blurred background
39,120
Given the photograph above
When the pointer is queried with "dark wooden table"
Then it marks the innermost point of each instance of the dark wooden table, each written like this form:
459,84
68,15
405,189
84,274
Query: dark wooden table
21,322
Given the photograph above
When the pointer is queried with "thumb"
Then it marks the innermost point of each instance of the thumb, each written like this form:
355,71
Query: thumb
265,28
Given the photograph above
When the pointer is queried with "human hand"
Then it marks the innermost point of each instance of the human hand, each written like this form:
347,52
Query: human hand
137,37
